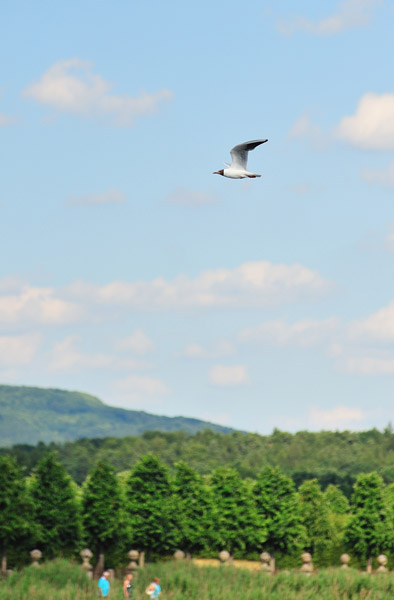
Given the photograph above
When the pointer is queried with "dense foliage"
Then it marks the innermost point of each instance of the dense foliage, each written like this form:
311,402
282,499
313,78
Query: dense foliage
156,511
278,510
55,509
14,506
103,513
152,507
330,457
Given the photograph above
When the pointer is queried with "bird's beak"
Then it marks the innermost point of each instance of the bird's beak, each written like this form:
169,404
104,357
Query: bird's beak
216,173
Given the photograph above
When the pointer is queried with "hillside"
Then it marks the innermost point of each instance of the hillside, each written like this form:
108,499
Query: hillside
331,457
29,415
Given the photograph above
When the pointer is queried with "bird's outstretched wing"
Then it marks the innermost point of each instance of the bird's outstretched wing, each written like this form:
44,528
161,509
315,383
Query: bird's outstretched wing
239,153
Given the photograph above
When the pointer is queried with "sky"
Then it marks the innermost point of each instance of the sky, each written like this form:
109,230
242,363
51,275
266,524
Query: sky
129,271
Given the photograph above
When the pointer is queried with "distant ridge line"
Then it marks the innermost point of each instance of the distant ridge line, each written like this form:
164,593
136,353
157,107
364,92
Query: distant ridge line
30,414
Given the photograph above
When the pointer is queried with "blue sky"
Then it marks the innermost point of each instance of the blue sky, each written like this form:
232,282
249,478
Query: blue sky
131,272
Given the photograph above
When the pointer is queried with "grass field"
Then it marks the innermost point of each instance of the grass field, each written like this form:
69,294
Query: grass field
61,580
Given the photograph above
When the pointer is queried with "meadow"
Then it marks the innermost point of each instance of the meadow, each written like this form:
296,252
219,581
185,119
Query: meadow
62,580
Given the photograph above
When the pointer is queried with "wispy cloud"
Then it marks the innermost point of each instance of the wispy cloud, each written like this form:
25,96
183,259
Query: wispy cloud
185,197
65,356
138,342
18,349
112,196
305,129
222,348
303,333
378,326
369,365
349,14
372,125
70,86
21,303
136,391
229,376
258,283
6,120
383,177
389,240
339,417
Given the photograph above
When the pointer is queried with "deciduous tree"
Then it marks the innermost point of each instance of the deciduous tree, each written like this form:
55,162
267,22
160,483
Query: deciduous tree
370,529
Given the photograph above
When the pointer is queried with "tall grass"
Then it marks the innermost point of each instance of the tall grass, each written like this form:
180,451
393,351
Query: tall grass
186,581
56,580
61,580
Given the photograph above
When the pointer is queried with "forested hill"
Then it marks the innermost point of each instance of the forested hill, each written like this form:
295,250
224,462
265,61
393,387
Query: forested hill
331,457
29,415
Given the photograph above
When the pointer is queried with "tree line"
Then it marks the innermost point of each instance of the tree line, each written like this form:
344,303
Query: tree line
157,511
330,457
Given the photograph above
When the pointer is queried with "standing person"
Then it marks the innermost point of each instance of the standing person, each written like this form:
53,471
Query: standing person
153,590
127,586
104,585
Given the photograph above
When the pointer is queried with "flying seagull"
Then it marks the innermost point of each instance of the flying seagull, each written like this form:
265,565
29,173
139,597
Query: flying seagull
239,155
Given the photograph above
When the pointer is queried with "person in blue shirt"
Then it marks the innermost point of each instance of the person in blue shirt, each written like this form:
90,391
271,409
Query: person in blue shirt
153,590
104,585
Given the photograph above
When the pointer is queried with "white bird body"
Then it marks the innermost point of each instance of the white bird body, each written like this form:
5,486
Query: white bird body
239,154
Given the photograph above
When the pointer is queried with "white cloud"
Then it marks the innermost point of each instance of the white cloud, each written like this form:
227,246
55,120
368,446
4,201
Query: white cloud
5,120
259,283
229,376
66,357
370,365
304,128
379,325
18,349
389,241
219,418
139,392
382,177
70,86
307,332
339,417
372,125
138,342
222,348
112,196
184,197
349,15
24,303
300,188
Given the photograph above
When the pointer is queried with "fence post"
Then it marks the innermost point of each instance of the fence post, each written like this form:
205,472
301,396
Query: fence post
307,566
86,555
35,557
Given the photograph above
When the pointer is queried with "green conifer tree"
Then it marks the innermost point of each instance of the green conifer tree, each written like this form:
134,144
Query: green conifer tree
336,500
195,506
315,518
339,515
152,508
103,519
56,511
278,512
14,507
236,523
